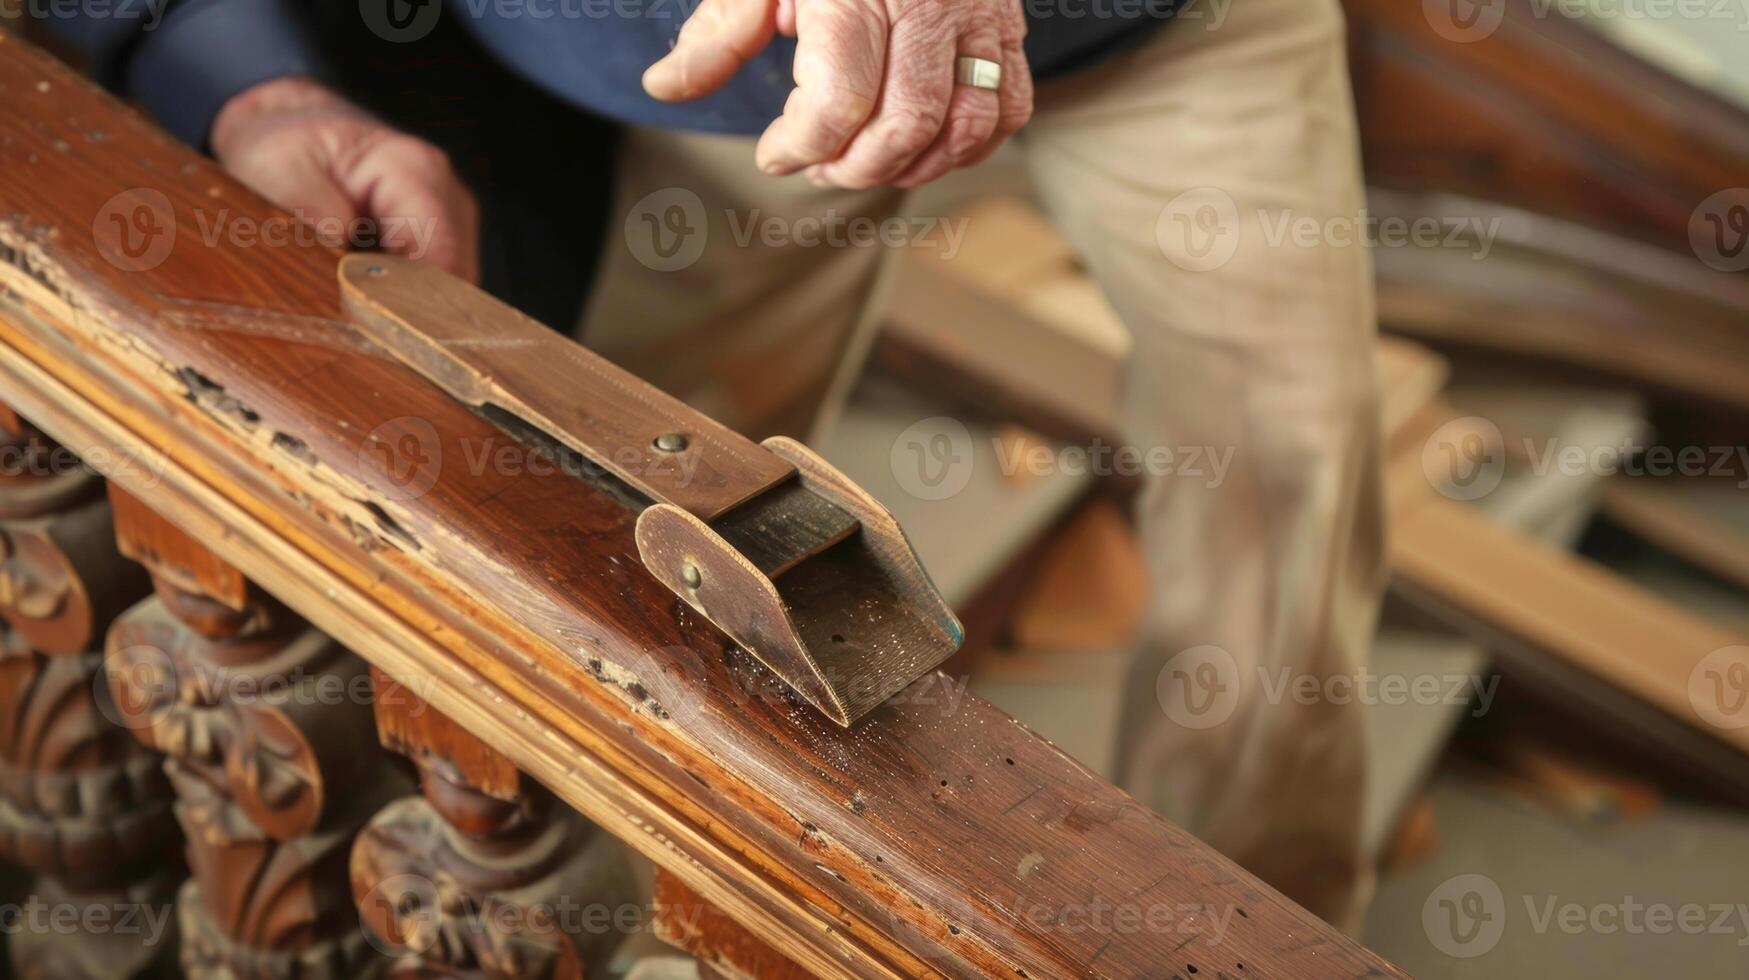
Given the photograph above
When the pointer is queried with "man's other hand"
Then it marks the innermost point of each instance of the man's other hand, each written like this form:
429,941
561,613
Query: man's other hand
875,101
329,162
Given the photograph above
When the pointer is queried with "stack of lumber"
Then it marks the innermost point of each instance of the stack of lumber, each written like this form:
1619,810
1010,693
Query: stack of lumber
1019,326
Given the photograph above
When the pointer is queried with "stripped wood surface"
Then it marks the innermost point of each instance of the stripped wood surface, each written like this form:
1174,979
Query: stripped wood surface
928,839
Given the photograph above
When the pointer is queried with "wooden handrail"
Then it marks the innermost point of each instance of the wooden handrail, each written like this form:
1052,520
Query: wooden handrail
206,369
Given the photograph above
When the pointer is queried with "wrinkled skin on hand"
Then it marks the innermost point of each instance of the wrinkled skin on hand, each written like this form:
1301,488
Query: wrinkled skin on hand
312,152
875,101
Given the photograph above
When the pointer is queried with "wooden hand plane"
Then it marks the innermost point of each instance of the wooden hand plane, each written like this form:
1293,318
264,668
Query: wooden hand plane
782,552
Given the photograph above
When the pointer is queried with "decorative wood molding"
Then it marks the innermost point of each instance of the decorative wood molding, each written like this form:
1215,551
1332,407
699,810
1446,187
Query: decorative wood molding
266,726
82,805
928,839
484,875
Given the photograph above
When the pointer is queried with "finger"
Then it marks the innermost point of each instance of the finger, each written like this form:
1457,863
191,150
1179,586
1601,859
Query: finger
309,194
786,17
912,110
422,209
1015,99
445,233
840,56
972,116
719,37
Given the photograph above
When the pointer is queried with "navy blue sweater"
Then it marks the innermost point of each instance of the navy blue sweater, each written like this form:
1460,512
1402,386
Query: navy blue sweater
184,58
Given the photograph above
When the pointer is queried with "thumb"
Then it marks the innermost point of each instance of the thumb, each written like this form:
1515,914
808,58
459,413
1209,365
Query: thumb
719,37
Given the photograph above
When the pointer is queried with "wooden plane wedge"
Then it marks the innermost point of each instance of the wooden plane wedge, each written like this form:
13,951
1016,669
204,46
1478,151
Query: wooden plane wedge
781,551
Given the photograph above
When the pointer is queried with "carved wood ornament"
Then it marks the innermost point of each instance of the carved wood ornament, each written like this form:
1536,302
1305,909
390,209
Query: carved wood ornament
267,728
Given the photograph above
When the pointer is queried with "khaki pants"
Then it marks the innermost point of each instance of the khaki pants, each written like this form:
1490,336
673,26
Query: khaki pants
1171,168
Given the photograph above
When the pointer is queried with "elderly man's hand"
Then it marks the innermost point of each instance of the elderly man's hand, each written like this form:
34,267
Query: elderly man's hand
312,152
875,100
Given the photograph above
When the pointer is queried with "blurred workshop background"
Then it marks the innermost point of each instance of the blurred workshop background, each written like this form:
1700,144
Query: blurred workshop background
1559,211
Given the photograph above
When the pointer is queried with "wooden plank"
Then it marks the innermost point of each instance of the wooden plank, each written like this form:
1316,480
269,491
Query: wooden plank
1701,521
510,597
1526,106
1561,606
1558,292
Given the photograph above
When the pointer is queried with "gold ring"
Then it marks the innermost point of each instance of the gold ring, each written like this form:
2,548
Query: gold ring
978,73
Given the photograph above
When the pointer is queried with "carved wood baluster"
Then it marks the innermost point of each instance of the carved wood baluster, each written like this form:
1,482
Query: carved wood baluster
271,748
82,804
484,875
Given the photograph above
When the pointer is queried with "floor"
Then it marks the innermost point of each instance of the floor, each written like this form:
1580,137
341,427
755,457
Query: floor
1515,890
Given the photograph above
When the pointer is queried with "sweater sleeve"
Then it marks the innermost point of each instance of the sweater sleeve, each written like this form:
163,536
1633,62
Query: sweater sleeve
183,59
